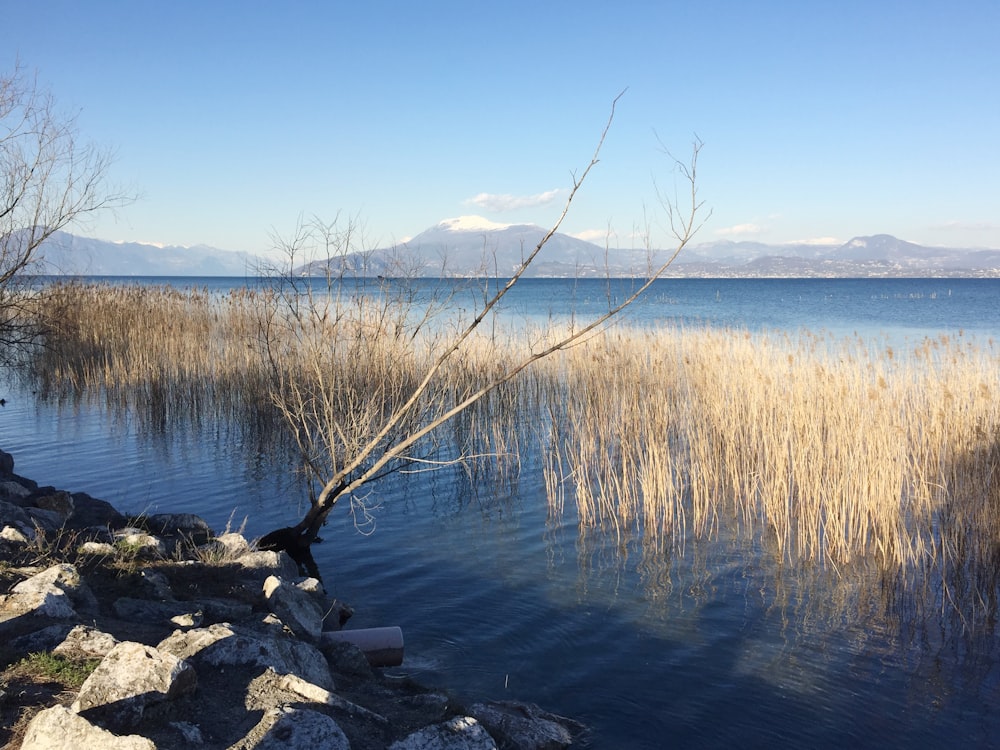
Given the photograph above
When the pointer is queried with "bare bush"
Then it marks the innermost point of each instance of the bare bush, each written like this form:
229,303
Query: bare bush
49,179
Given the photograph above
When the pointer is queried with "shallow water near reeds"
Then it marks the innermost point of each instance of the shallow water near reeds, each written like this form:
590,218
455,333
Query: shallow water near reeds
720,646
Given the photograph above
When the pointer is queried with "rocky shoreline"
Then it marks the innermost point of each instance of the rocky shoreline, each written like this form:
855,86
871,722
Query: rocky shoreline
195,640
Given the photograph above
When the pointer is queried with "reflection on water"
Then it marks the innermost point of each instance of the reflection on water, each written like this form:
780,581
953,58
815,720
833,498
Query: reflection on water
720,646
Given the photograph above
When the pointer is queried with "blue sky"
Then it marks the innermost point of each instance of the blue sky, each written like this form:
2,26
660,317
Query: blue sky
819,120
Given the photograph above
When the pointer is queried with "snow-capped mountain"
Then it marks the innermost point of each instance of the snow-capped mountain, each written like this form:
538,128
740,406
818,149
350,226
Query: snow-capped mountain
474,246
67,254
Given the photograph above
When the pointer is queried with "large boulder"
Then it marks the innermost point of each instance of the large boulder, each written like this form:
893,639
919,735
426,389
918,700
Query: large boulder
524,725
225,548
6,464
460,733
14,516
129,680
12,491
56,592
84,640
65,639
224,644
287,728
258,566
55,501
58,728
295,607
89,512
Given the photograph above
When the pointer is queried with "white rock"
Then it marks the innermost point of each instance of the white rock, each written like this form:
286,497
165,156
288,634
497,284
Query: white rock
58,728
143,542
263,564
84,640
223,644
227,546
460,733
296,608
96,548
51,593
132,677
15,535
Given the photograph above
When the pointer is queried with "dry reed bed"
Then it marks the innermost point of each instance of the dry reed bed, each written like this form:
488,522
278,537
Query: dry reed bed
838,450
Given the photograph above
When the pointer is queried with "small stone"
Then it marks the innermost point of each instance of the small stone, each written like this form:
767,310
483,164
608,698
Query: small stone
142,542
96,548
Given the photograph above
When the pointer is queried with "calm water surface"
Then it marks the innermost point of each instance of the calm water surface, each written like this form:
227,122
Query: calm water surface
719,647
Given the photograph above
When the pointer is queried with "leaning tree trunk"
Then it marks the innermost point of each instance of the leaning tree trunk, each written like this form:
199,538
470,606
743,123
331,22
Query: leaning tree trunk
297,540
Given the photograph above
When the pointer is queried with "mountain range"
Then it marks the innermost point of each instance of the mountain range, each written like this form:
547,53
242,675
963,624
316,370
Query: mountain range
65,254
472,246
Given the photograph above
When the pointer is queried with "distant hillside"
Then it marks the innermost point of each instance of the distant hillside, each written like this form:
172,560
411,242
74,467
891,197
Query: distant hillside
473,246
873,256
67,254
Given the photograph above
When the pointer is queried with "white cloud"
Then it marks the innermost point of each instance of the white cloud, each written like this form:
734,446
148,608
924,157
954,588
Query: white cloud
507,202
740,229
592,235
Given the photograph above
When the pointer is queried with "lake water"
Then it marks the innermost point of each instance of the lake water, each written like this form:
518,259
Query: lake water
720,647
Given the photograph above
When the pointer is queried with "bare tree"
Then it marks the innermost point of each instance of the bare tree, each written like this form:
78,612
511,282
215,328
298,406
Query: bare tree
350,433
48,180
